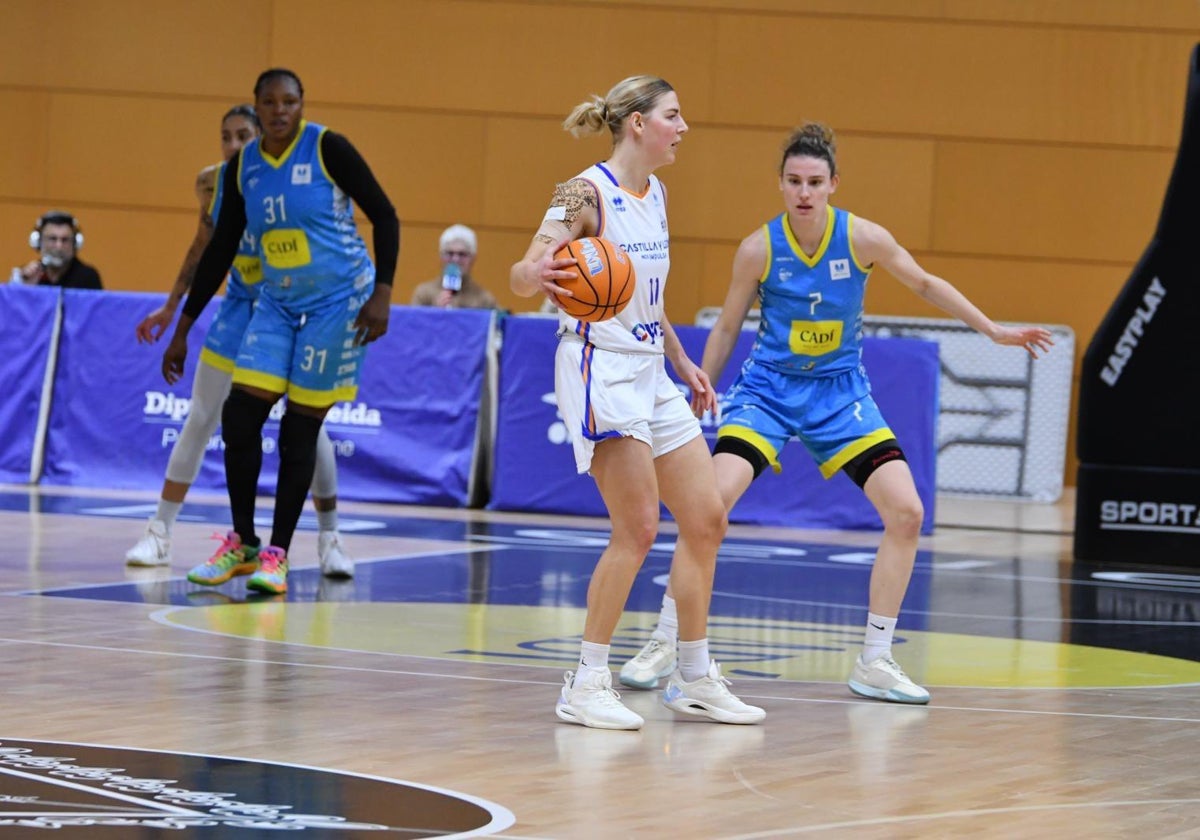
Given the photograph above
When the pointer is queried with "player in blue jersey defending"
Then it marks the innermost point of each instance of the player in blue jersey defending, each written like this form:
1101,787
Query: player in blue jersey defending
291,192
214,373
807,269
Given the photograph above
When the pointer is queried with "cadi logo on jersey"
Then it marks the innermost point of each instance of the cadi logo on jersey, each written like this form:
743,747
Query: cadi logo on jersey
302,173
839,269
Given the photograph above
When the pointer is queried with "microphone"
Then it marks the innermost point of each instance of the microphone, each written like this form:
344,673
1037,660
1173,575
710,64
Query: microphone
452,278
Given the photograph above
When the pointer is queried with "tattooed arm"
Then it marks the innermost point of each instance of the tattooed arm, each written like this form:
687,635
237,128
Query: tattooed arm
573,213
152,327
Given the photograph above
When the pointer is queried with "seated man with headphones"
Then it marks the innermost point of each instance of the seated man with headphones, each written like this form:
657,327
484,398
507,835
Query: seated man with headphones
57,238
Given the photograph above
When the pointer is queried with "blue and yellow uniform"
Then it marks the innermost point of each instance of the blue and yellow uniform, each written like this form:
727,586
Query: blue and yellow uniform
804,376
241,291
316,275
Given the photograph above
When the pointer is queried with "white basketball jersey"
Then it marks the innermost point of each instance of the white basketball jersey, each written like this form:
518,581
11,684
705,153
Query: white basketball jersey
638,226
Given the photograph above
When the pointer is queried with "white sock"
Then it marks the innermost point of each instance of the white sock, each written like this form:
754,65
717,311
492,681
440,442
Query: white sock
668,621
167,511
693,659
592,657
878,639
327,520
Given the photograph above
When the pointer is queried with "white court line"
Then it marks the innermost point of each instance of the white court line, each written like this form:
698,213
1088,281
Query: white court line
558,682
944,815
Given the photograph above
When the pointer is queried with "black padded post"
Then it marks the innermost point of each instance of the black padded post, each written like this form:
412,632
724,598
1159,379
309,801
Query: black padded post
1139,417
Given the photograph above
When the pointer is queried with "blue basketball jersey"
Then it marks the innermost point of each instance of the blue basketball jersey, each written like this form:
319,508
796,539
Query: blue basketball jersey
812,307
246,272
302,223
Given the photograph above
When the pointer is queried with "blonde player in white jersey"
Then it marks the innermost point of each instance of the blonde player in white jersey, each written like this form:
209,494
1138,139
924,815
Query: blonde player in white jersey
630,426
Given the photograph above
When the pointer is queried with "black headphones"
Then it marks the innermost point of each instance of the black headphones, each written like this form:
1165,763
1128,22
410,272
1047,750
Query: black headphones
54,217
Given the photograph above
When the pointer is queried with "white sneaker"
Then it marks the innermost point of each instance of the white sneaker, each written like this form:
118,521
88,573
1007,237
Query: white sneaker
883,679
708,697
153,549
653,662
335,562
593,703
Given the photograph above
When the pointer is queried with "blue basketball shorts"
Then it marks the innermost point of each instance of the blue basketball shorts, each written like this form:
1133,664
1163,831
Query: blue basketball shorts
225,333
833,416
310,355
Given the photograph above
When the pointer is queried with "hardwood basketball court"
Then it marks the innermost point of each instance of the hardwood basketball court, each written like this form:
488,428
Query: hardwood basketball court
1064,698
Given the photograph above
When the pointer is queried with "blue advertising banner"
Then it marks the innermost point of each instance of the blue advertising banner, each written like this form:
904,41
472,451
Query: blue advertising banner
534,469
425,380
409,437
27,314
114,419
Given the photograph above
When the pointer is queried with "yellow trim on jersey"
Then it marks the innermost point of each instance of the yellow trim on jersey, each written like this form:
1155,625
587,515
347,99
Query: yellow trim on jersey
828,235
865,269
241,160
255,379
851,451
296,394
321,399
278,162
216,360
754,439
766,268
321,157
217,176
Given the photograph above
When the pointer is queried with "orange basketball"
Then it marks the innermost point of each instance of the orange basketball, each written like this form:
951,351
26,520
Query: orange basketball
603,281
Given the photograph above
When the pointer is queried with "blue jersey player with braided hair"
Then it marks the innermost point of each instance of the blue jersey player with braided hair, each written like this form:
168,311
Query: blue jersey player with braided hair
291,192
807,269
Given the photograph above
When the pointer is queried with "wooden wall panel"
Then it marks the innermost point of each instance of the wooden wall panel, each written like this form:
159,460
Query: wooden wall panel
524,160
1056,202
1144,14
211,48
23,142
129,150
485,56
1061,85
1122,14
431,165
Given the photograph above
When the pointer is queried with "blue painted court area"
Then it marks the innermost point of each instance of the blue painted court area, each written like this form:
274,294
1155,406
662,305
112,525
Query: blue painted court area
521,565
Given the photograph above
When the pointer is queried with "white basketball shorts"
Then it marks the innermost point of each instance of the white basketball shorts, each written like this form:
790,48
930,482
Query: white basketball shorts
602,394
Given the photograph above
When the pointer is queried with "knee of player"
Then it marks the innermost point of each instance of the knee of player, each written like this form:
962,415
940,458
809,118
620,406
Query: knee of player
242,417
905,518
639,535
709,528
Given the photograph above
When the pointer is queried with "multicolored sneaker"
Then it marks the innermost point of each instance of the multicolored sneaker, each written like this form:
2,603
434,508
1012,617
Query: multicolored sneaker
231,559
271,576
